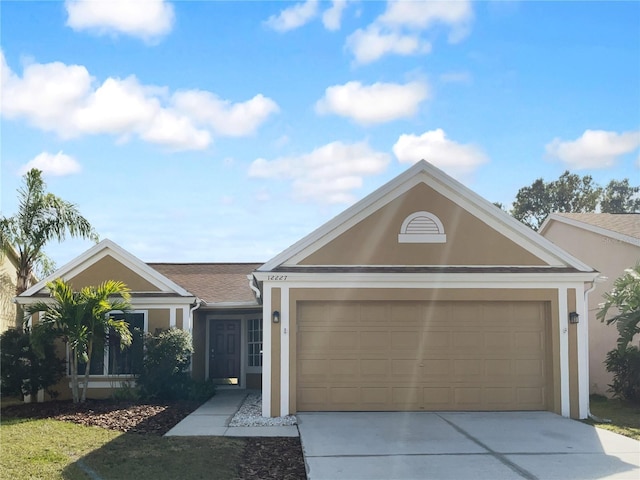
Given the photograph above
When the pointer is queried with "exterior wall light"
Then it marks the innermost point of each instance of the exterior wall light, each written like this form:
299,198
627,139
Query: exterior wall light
275,316
574,317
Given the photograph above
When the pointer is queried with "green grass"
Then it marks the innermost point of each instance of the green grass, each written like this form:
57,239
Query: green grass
624,416
51,449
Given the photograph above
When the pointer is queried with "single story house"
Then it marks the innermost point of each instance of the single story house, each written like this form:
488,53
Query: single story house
610,243
421,296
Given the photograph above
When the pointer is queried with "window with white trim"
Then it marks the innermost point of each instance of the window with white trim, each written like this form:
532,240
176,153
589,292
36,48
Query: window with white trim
422,227
254,342
110,359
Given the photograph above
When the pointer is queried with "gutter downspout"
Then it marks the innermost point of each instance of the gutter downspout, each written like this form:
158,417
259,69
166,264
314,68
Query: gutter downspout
590,415
252,286
199,303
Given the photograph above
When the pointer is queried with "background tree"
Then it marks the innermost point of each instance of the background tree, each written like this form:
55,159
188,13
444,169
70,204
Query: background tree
624,361
81,319
571,193
620,197
41,217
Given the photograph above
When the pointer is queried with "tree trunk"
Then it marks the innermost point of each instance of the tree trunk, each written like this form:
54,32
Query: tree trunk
23,274
74,376
86,371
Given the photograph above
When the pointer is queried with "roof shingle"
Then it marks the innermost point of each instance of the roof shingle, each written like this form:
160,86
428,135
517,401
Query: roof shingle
622,223
212,282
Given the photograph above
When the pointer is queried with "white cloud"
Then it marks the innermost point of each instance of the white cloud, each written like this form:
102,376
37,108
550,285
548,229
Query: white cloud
328,174
434,147
594,149
293,17
64,99
398,30
146,19
226,118
377,103
332,16
372,43
57,165
422,15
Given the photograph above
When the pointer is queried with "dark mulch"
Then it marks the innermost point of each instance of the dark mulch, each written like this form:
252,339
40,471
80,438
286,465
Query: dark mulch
263,459
273,458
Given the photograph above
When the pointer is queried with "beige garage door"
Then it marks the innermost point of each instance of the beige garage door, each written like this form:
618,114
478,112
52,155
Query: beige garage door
422,356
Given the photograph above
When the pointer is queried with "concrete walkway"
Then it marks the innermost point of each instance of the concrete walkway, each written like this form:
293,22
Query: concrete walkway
212,420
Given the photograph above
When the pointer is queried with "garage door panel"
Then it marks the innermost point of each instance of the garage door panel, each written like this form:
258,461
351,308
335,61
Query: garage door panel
422,356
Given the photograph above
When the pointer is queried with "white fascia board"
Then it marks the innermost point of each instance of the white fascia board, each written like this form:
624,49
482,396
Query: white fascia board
247,304
98,252
346,219
500,220
424,280
135,302
423,172
590,228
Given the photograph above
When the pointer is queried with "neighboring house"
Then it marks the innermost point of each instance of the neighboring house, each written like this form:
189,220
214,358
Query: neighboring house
8,281
609,243
422,296
8,276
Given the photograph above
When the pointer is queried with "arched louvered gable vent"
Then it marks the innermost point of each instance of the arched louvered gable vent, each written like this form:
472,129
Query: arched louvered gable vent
422,227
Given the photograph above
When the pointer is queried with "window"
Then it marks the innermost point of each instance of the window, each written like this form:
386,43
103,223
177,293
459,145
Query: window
110,359
254,341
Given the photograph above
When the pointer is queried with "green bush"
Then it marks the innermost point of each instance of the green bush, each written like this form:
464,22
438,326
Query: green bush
24,370
165,374
624,363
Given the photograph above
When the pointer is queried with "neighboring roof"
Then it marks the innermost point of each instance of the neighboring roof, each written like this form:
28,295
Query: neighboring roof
424,172
621,226
212,282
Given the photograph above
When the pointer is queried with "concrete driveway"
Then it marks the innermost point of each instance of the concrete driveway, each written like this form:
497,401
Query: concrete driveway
461,446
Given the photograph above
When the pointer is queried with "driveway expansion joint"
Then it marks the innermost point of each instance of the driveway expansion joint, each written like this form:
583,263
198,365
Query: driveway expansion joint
497,455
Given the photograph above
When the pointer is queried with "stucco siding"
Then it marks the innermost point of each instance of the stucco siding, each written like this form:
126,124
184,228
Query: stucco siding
108,268
374,240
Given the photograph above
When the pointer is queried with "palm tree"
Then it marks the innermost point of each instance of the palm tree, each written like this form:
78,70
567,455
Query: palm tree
41,217
81,319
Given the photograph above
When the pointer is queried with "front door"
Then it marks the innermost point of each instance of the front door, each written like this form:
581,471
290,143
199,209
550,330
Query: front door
224,351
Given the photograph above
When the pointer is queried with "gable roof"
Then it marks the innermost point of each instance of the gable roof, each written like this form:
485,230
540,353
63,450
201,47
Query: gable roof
215,283
424,172
621,226
108,248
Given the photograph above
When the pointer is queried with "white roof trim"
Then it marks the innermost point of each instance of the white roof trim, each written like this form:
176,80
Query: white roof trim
424,172
99,251
589,227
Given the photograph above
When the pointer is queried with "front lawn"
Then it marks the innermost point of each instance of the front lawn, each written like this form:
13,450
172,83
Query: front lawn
52,449
116,440
624,416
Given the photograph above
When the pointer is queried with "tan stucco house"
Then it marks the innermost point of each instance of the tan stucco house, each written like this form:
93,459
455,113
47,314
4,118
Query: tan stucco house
610,243
422,296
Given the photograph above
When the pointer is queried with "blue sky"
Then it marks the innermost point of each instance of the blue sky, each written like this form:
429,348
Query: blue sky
226,131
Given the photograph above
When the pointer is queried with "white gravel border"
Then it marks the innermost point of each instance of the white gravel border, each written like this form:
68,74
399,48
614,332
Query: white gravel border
250,415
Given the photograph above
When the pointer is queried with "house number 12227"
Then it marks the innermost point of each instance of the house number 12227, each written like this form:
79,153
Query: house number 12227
276,277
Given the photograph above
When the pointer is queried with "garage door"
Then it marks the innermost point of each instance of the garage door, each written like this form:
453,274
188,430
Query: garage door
373,356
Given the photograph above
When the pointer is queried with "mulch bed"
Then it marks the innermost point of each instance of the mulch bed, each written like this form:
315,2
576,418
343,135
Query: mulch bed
264,458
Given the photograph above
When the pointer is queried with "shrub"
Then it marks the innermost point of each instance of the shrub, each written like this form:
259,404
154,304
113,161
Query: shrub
624,361
24,370
625,366
165,373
